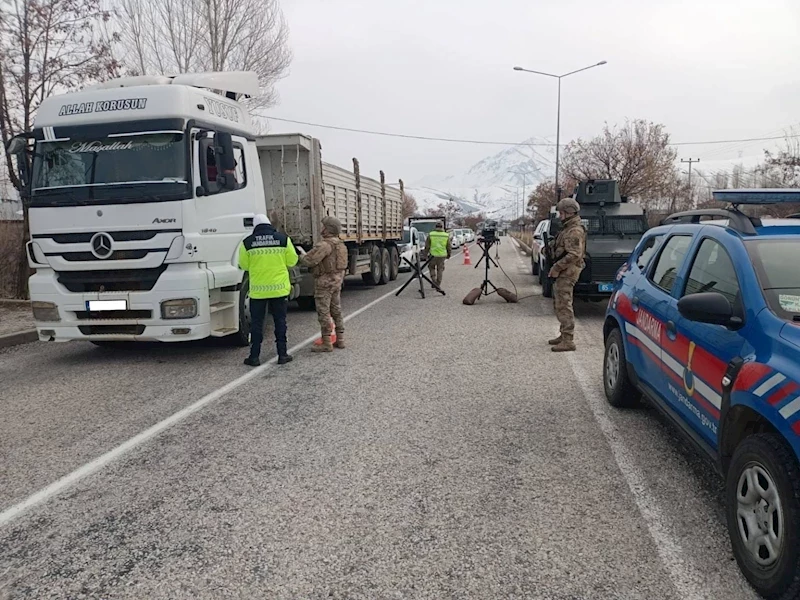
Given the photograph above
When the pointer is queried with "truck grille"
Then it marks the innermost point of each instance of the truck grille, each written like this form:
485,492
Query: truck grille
119,280
111,329
602,268
116,255
117,236
106,315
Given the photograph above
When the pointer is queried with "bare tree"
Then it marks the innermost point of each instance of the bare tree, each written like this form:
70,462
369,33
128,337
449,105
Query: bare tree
45,46
637,155
174,36
409,205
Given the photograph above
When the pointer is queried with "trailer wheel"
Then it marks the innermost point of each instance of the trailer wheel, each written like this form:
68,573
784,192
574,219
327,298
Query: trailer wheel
373,276
386,266
394,262
242,337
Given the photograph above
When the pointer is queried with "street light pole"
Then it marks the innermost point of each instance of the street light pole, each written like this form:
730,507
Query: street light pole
558,113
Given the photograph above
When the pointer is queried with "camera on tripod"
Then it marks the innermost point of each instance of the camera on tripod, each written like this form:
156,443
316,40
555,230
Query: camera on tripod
489,232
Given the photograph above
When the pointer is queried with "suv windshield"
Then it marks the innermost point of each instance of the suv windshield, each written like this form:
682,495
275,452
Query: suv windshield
151,158
779,277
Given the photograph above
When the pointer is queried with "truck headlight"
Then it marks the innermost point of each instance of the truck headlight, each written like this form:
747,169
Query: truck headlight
45,311
182,308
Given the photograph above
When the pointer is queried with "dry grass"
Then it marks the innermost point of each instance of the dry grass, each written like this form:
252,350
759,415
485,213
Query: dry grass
11,249
525,237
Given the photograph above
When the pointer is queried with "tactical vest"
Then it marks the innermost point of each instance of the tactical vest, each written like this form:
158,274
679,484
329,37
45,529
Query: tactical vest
336,261
439,240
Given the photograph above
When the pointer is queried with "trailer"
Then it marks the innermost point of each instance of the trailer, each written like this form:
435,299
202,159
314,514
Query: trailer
300,189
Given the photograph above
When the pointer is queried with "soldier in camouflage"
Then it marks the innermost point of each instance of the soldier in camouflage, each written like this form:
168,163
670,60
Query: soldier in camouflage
568,253
328,263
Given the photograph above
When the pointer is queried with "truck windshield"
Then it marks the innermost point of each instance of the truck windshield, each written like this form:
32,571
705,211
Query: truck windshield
779,277
425,226
613,225
152,158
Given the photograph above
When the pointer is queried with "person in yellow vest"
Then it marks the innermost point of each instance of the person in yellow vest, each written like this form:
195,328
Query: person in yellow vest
438,246
267,255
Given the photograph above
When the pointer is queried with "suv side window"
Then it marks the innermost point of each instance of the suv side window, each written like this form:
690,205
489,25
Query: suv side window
670,260
712,271
649,249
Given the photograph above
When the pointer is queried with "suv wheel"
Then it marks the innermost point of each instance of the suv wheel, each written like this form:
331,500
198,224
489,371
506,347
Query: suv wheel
763,509
620,392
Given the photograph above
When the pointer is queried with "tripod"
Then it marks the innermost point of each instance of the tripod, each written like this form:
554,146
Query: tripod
417,274
486,246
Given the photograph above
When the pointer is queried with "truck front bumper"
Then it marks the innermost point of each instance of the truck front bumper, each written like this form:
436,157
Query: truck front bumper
140,321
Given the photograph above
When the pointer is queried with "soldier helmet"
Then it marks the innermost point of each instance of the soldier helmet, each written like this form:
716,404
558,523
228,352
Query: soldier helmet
439,225
568,205
333,225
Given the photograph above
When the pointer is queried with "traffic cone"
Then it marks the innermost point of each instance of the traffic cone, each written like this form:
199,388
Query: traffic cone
467,261
333,335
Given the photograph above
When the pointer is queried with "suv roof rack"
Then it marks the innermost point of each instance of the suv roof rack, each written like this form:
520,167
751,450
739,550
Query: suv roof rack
737,220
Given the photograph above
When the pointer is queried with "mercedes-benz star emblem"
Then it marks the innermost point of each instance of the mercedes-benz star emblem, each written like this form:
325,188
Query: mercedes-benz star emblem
101,245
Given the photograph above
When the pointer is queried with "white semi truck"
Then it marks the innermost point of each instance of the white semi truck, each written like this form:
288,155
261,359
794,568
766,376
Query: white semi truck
141,189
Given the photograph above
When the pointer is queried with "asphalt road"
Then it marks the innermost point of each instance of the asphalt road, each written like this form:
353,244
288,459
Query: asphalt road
446,453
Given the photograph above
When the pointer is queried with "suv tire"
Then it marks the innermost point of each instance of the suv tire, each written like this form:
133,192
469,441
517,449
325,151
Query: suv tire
620,392
769,462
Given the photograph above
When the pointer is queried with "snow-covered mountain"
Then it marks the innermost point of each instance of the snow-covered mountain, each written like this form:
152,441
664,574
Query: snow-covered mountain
493,185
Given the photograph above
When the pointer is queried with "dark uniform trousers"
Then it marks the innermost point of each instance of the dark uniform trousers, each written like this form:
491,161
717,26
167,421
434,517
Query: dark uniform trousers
258,310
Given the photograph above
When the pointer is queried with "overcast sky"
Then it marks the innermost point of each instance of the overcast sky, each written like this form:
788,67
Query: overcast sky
707,69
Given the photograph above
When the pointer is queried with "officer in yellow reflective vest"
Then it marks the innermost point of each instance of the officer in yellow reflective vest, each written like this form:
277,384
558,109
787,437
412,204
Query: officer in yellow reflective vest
266,255
438,246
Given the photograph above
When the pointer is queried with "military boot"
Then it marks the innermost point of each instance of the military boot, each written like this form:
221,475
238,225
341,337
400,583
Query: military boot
339,343
326,345
555,341
565,345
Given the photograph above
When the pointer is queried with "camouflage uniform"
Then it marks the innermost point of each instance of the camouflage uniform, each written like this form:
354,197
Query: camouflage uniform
328,263
569,250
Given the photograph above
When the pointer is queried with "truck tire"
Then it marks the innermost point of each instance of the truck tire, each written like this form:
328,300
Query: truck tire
373,276
386,266
762,493
547,287
306,303
394,261
242,337
620,392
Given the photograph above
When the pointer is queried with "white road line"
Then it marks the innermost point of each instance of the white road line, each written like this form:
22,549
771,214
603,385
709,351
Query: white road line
102,461
688,580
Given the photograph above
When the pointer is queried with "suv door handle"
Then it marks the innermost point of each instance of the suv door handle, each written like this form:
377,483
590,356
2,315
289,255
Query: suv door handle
672,331
635,302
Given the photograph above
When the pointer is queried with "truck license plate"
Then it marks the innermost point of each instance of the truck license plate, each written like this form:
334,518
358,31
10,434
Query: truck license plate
605,287
102,305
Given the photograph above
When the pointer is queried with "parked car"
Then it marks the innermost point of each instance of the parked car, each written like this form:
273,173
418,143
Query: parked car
469,235
537,248
704,323
456,239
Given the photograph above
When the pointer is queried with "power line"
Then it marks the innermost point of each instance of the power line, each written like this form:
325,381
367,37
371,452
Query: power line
499,143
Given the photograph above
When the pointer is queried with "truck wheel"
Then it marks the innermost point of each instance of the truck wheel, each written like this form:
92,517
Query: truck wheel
763,508
394,263
306,303
373,276
386,266
620,392
547,287
534,266
242,337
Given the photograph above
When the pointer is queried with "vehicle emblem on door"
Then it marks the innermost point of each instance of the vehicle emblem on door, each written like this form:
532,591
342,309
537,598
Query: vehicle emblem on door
101,245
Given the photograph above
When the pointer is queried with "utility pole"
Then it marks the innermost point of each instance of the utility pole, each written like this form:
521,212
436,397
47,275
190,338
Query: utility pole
690,161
